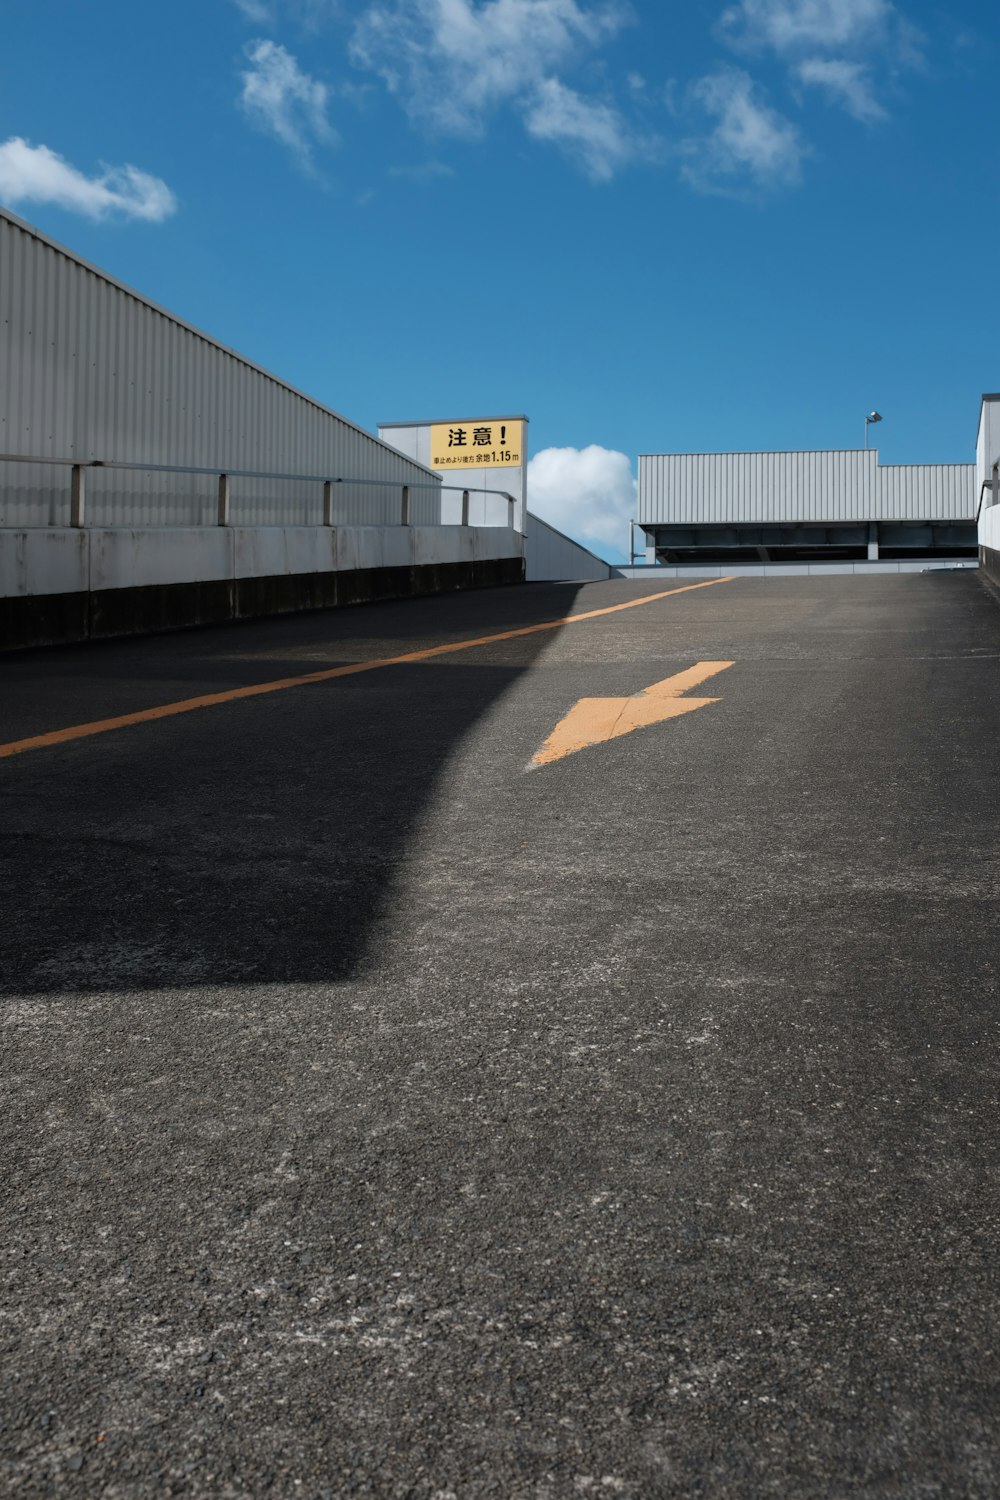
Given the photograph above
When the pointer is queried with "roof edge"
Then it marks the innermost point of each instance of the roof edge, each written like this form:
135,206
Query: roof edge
164,312
756,452
450,421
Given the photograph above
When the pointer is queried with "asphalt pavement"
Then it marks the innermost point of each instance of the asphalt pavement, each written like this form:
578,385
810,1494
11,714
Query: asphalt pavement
389,1112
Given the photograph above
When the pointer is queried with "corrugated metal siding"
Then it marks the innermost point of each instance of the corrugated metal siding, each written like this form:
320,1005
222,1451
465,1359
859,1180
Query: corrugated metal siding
926,492
549,554
707,488
839,485
987,439
90,370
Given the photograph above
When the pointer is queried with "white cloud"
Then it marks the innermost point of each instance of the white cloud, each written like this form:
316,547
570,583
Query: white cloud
836,45
34,174
847,83
452,63
309,15
255,11
588,493
284,101
794,25
593,132
750,139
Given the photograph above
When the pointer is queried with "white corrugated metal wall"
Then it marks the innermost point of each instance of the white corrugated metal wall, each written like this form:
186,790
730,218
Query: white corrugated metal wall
926,492
89,369
681,489
706,488
986,436
551,555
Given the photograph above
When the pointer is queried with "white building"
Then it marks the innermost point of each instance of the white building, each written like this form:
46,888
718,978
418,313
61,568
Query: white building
987,484
840,506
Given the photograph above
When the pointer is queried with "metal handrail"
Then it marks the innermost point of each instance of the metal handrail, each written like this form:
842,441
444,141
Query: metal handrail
993,485
78,485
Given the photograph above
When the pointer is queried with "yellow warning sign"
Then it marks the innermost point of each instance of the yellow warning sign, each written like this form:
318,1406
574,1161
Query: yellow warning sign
496,444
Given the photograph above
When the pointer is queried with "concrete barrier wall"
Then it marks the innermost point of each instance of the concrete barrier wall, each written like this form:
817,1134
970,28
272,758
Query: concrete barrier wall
59,584
695,571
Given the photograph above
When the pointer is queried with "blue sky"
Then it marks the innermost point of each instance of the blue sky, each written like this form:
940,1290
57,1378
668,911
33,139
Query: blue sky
720,224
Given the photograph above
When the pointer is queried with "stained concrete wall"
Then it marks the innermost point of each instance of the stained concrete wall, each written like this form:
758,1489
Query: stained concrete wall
51,560
61,584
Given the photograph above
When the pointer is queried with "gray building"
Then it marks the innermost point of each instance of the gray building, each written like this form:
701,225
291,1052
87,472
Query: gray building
93,370
151,478
838,506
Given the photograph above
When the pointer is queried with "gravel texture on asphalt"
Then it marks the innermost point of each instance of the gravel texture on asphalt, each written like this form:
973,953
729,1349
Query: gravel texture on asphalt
385,1117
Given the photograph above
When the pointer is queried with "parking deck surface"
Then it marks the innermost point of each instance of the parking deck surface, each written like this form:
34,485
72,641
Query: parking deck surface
394,1108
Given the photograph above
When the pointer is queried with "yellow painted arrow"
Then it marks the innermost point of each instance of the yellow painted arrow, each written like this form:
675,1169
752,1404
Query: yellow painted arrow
594,720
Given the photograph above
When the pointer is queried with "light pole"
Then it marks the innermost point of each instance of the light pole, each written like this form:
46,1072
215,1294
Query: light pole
872,416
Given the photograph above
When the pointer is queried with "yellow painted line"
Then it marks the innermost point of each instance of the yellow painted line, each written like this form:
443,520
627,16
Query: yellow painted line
594,721
258,689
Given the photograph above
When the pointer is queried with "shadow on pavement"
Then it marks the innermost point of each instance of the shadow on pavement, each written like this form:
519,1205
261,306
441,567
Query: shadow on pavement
254,842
